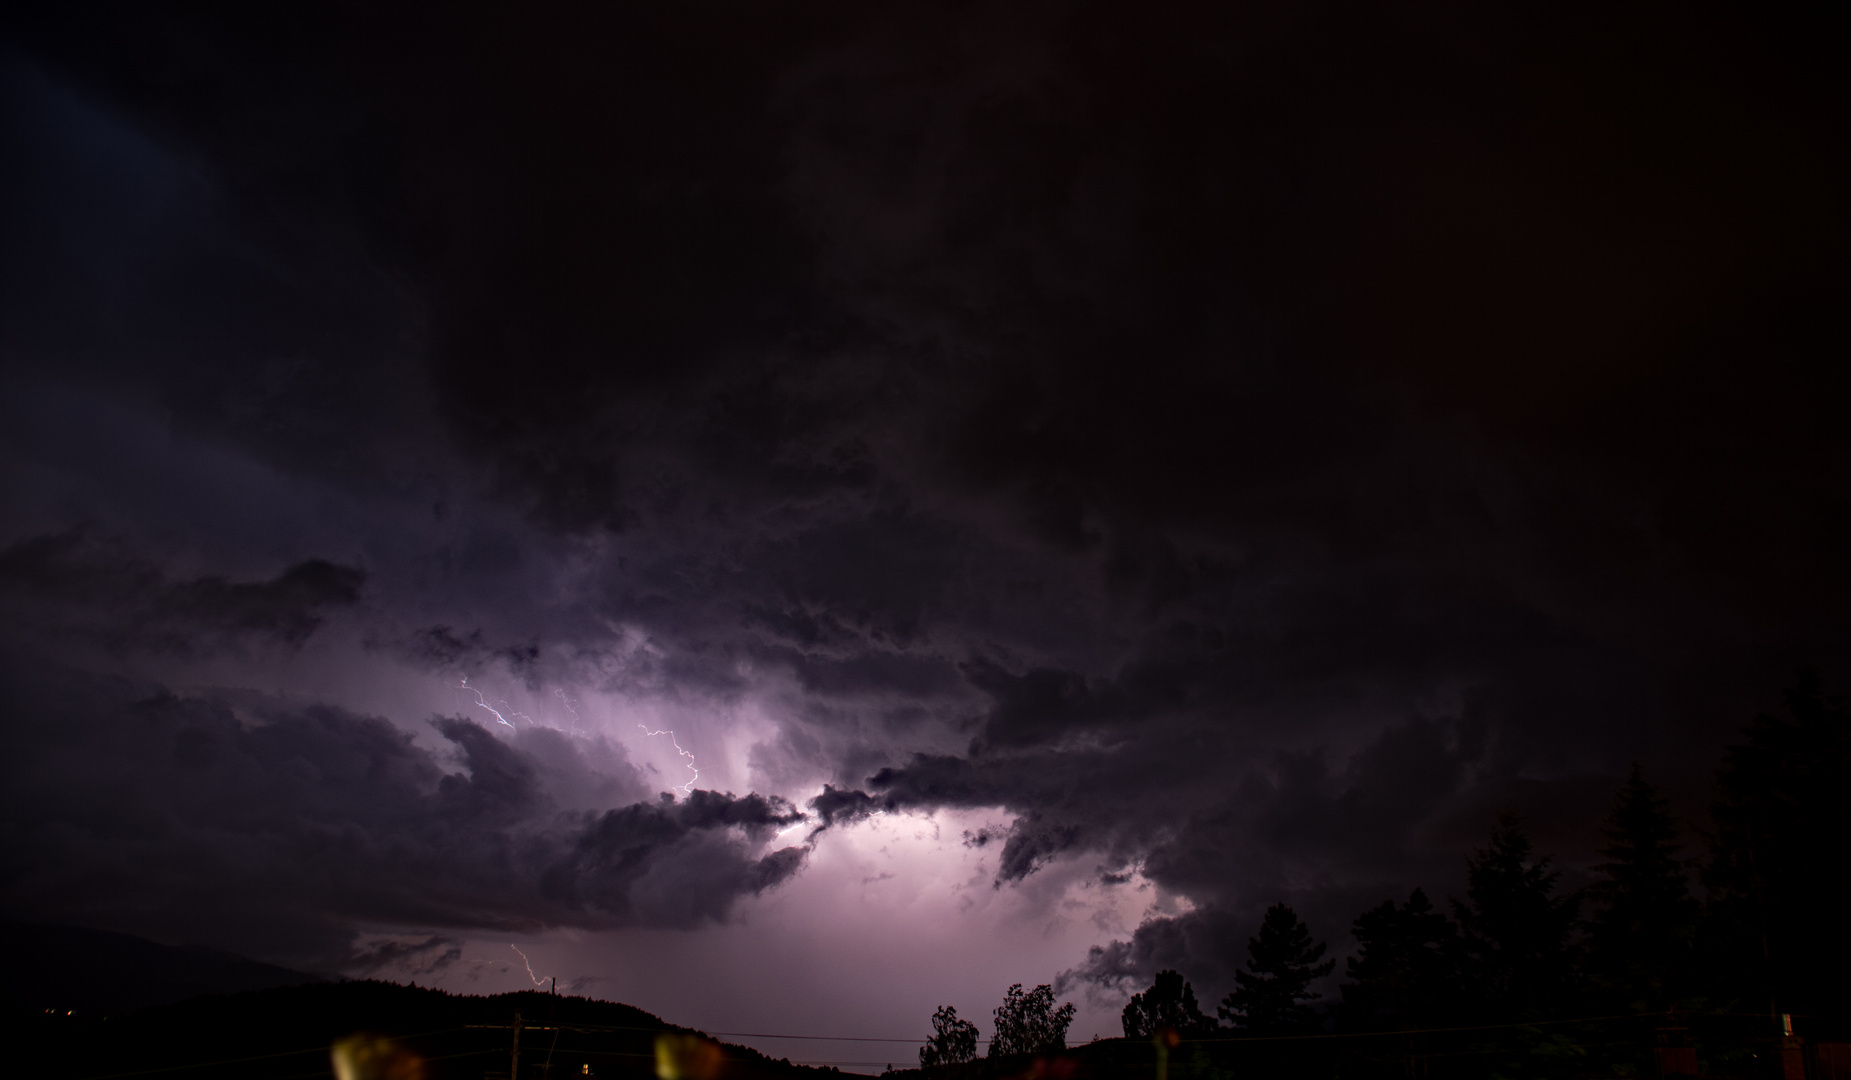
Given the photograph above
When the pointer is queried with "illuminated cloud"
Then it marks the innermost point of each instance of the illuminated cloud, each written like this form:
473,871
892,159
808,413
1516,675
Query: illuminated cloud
1209,458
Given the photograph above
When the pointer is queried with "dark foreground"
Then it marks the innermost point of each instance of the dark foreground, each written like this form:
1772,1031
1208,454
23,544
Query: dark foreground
1750,1047
285,1033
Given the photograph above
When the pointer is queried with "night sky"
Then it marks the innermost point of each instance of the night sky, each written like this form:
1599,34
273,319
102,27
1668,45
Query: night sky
1067,475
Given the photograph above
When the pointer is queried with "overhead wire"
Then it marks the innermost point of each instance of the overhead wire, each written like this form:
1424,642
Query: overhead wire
323,1073
322,1049
1427,1031
599,1028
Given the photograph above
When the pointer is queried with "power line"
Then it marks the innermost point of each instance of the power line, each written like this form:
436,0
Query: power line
209,1064
322,1074
1232,1038
603,1029
917,1040
1427,1031
827,1038
322,1049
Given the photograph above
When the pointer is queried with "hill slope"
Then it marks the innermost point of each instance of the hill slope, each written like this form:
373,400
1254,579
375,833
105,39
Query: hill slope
96,971
285,1032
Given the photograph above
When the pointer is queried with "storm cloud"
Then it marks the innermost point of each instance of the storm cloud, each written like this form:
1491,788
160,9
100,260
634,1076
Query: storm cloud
70,586
1248,448
281,826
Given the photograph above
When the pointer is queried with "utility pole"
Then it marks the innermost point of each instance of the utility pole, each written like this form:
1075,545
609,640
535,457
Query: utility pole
520,1025
514,1064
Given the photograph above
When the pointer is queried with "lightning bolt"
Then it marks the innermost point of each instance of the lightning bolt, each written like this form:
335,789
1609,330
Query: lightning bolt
537,980
480,700
571,708
687,788
497,713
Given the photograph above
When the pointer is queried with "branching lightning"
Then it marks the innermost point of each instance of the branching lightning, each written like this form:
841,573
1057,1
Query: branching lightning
571,708
537,980
687,788
483,702
497,713
506,717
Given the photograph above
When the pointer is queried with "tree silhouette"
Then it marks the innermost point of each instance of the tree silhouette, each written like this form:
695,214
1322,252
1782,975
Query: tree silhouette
1406,970
953,1041
1169,1003
1271,996
1782,836
1640,932
1028,1023
1515,930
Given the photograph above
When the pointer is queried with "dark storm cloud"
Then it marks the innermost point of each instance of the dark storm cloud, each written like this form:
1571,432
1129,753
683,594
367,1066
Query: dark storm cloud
1291,815
425,955
70,585
126,269
279,825
1253,445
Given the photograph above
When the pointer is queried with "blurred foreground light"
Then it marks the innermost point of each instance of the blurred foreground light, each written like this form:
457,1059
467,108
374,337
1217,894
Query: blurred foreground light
1058,1067
687,1057
374,1057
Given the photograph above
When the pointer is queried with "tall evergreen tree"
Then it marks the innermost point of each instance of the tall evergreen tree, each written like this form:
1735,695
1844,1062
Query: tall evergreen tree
1640,933
1515,930
1775,921
1406,969
1169,1003
1272,996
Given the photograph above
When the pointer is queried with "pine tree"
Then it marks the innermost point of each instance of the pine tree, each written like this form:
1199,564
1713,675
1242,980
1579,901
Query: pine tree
1272,995
1405,973
1515,930
1169,1003
1775,932
1640,933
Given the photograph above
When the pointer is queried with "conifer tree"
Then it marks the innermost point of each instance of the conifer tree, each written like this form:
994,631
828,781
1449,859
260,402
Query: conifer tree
1640,931
1272,996
1169,1003
1514,930
1406,970
1775,930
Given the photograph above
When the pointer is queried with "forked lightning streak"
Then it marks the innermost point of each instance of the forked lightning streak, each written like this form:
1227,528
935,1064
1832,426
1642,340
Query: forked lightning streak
537,980
483,702
687,788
